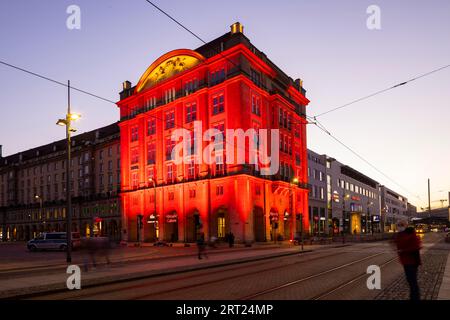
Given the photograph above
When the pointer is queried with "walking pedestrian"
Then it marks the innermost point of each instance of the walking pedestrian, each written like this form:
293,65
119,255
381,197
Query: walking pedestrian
231,239
408,248
201,245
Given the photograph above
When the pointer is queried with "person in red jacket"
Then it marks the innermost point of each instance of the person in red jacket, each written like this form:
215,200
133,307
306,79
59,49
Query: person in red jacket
408,248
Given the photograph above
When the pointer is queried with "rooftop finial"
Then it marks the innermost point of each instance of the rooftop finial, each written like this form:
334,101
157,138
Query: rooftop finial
237,27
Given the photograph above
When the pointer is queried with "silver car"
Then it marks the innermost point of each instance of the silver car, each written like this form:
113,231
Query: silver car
53,241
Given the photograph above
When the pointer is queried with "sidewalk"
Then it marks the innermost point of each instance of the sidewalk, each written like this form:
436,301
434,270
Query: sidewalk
444,291
29,284
121,253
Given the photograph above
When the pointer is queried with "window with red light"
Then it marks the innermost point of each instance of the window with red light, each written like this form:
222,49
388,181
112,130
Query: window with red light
192,193
191,112
256,105
219,190
151,126
151,153
219,138
169,147
170,119
220,166
134,179
218,104
171,196
151,174
191,170
217,76
134,134
170,172
134,156
190,86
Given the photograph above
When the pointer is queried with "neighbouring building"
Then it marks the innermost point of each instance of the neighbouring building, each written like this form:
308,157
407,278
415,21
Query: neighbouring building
341,199
394,207
33,187
317,179
225,84
411,210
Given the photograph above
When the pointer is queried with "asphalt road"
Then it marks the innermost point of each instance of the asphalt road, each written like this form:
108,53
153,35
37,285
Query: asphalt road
333,273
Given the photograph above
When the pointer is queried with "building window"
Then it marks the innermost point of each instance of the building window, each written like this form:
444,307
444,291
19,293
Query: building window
150,103
134,180
256,105
221,227
219,190
256,77
219,137
297,159
190,86
191,170
134,134
151,174
257,190
191,112
171,196
217,76
169,147
218,104
170,173
170,119
220,168
151,126
192,193
151,153
169,95
135,156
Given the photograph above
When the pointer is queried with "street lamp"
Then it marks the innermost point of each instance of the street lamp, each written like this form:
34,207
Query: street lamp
40,204
295,181
67,121
154,201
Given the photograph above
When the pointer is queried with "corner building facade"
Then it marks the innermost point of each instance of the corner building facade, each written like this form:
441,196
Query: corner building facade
225,84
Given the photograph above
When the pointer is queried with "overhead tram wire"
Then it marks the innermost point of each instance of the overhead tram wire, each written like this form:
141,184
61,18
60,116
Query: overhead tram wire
322,127
381,91
54,81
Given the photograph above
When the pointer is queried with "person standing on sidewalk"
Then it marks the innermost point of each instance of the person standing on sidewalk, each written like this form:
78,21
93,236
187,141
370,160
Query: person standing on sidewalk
201,245
408,249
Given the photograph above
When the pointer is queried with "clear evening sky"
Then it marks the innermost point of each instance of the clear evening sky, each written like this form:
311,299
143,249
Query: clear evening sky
404,132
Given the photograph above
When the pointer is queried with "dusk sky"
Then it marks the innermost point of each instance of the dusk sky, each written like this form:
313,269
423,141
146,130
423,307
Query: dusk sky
404,132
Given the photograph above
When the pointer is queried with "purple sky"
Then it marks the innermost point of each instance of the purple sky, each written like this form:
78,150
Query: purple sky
404,132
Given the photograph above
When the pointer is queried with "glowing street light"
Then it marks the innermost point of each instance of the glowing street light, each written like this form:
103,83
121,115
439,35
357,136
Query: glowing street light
67,123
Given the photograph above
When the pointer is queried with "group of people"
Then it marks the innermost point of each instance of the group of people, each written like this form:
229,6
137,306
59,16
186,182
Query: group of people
93,248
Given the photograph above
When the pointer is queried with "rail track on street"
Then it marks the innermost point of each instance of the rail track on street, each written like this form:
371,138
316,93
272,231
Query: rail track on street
195,277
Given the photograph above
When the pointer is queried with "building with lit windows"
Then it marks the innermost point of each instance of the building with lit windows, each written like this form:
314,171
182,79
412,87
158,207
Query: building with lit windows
342,199
225,84
33,187
317,193
394,207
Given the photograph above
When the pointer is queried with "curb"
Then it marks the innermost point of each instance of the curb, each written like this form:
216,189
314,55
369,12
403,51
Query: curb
59,288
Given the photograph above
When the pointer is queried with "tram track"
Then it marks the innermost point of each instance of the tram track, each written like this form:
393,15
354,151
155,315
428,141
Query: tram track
308,278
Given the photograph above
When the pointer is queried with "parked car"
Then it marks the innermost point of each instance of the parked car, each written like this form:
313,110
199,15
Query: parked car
53,241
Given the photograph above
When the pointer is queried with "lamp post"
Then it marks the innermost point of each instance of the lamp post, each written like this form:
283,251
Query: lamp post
294,214
154,201
40,205
67,121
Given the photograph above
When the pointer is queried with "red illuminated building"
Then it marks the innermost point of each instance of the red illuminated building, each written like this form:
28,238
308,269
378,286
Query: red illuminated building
226,84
